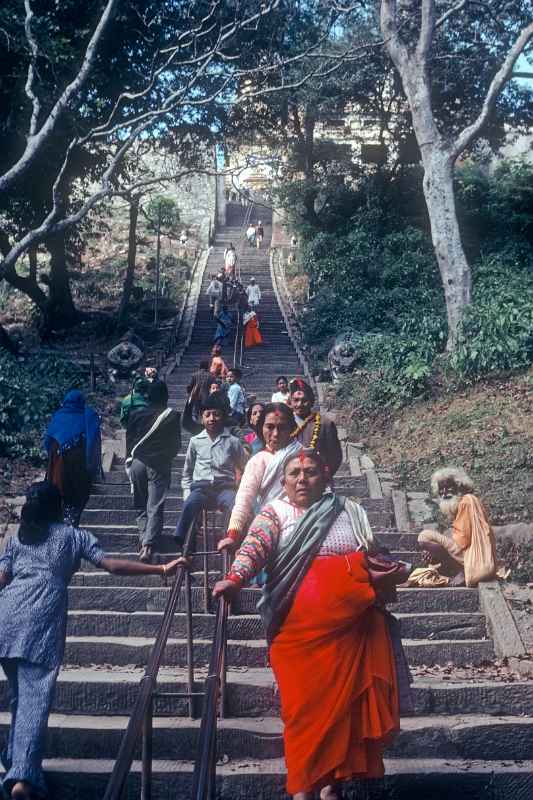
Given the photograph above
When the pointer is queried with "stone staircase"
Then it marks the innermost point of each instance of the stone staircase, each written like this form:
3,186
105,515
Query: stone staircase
471,736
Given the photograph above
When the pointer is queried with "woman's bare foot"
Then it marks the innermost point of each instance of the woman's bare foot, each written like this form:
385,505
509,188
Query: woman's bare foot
22,791
332,792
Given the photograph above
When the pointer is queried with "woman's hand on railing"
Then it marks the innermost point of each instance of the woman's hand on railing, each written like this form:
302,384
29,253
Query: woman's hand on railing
226,589
171,566
226,544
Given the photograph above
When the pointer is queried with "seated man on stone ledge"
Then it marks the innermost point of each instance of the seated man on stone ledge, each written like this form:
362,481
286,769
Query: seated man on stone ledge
468,555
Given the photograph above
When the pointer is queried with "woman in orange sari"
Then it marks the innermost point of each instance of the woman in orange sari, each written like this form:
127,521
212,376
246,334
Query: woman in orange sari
329,643
252,336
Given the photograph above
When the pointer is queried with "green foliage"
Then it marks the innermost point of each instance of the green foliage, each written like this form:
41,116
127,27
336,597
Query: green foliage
496,210
31,388
497,331
400,368
369,279
163,211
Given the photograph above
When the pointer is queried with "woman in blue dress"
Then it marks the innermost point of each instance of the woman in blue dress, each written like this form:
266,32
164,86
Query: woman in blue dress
73,443
224,325
35,571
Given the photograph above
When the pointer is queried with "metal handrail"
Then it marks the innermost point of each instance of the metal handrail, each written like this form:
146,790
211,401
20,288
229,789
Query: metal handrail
238,349
141,716
242,238
204,776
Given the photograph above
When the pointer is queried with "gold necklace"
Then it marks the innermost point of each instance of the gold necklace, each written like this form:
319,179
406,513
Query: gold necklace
316,429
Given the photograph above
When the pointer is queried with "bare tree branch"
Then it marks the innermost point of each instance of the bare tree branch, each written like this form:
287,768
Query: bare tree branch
451,11
35,141
497,84
389,26
36,105
427,29
186,53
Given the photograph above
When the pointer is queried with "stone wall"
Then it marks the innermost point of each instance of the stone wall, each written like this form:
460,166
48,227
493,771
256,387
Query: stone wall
196,195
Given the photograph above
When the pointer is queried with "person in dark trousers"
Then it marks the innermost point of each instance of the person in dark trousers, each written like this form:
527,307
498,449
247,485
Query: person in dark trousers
198,388
153,438
236,397
214,463
35,570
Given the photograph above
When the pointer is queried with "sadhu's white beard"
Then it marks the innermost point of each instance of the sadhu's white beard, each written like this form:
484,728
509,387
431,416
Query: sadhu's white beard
449,505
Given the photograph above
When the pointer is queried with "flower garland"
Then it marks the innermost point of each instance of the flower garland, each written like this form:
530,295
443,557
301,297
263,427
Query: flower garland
316,429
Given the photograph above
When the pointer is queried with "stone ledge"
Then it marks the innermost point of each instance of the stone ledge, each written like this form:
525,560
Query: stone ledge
501,623
401,510
188,311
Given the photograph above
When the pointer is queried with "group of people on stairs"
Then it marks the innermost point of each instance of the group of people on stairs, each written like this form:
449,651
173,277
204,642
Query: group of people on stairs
270,469
230,301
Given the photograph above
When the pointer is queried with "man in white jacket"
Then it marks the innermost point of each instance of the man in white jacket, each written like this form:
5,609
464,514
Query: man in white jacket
254,293
214,292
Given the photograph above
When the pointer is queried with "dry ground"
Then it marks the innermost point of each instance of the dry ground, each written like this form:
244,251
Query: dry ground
487,429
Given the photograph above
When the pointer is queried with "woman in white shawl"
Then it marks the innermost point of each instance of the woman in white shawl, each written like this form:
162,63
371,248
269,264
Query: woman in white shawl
261,480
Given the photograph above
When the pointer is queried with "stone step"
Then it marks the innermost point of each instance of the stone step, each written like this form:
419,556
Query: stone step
465,737
133,598
121,651
90,572
94,577
112,516
248,626
251,693
124,501
422,779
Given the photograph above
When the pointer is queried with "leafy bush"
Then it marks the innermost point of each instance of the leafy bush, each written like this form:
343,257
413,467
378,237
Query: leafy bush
398,368
497,330
369,279
30,390
497,208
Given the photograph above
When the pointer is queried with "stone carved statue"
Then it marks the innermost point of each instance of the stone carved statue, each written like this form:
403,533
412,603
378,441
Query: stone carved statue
344,355
126,356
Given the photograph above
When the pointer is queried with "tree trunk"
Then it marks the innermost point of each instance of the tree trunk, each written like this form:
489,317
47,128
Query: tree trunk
61,311
122,312
439,194
32,258
453,265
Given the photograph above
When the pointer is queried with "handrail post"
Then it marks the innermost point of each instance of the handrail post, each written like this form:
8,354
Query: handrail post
147,751
190,648
224,662
141,715
92,370
207,603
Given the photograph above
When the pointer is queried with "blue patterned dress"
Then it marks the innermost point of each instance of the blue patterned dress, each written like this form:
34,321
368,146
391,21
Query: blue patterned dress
33,623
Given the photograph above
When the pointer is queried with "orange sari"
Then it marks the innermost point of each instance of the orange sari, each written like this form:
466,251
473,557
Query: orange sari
335,669
252,337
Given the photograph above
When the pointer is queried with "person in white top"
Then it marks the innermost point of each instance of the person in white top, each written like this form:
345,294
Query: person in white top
230,259
283,394
250,234
253,293
214,292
